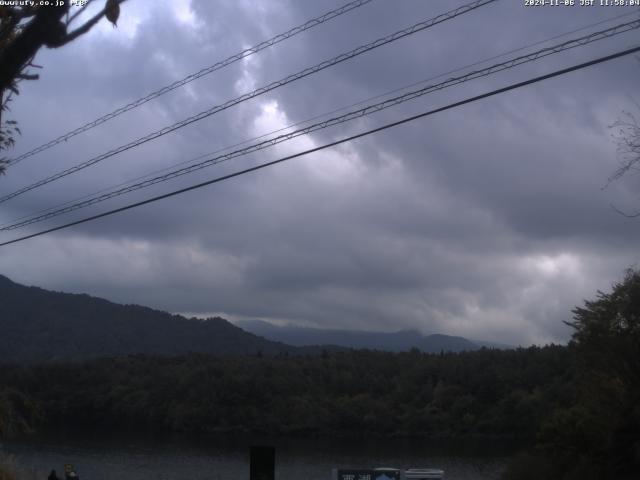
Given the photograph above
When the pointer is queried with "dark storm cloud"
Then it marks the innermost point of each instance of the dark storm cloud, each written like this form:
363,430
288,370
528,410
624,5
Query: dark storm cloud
487,221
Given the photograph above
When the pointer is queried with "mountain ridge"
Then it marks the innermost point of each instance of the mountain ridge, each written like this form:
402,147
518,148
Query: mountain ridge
401,340
40,325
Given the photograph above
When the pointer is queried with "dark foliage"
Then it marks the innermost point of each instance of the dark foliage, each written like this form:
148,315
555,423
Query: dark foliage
597,435
18,413
363,393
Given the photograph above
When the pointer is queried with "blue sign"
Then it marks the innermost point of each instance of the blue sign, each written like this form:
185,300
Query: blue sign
386,474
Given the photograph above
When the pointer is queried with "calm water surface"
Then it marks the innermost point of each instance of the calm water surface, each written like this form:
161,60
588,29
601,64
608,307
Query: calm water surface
135,458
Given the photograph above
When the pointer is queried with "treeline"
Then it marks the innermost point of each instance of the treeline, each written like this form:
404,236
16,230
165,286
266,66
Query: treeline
359,393
579,404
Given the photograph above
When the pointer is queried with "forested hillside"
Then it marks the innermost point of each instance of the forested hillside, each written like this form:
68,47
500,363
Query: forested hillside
489,392
38,325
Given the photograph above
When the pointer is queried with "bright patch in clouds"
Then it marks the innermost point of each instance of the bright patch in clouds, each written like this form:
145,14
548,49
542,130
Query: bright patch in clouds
564,264
185,15
485,221
336,165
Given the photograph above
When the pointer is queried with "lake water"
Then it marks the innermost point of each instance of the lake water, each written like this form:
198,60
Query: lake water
136,458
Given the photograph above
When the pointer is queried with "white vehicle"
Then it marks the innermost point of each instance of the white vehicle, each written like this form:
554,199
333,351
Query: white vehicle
386,473
423,473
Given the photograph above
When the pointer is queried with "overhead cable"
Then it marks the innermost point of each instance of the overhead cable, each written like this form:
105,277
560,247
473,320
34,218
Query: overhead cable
194,76
260,91
450,106
581,41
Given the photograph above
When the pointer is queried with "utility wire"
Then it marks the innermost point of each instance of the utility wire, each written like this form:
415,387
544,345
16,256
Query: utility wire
581,41
450,106
315,117
194,76
272,86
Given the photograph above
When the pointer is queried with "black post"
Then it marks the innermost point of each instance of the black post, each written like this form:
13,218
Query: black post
263,463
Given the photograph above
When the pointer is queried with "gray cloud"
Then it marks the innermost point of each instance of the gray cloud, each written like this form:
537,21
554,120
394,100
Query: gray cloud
487,221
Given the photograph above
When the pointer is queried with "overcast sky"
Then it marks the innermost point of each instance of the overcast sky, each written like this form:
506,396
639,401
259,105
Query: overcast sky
487,221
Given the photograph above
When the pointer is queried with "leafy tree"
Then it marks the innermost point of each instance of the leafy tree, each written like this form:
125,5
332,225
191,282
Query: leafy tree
600,432
607,332
24,29
607,339
18,413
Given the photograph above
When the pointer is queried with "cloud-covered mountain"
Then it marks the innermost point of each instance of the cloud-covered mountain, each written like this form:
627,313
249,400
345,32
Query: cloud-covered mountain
391,341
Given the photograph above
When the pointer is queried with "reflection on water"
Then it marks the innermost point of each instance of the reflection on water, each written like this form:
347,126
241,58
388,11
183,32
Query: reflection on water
137,458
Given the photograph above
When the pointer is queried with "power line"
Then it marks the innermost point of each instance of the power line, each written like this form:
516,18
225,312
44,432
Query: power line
315,117
325,114
450,106
194,76
272,86
581,41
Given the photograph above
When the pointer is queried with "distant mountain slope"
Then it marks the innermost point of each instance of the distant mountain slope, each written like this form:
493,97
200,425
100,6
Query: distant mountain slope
394,342
40,325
